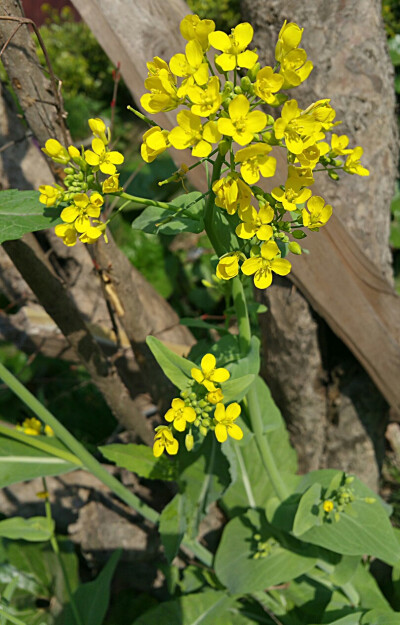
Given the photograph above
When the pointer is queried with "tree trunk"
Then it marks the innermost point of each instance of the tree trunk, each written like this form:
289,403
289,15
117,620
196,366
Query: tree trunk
336,415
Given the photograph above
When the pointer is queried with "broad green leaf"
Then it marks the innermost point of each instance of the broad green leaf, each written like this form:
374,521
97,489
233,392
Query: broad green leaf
370,595
140,460
210,607
243,371
253,556
235,389
345,570
173,526
363,528
189,220
350,619
35,529
92,598
271,415
381,617
176,368
20,462
307,510
21,212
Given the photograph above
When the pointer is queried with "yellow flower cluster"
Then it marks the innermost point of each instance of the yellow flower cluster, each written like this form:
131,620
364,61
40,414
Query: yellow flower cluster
34,427
195,408
223,112
84,190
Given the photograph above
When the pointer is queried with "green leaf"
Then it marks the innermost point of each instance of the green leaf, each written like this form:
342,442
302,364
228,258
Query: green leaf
20,462
394,49
173,526
176,368
21,212
252,555
199,323
308,510
190,220
363,528
140,460
350,619
92,598
35,529
236,388
345,570
380,617
210,607
271,415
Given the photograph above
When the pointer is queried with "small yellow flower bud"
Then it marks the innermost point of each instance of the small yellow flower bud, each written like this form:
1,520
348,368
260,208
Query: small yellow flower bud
295,248
189,441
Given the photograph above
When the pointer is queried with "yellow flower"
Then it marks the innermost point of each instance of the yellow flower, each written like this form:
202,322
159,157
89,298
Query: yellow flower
298,129
353,165
267,84
209,374
224,418
155,141
193,28
301,174
49,195
156,65
241,124
94,232
292,195
310,156
288,39
205,101
164,439
102,159
295,68
328,505
191,132
339,145
75,155
321,112
232,193
214,397
254,161
256,223
228,266
80,211
234,47
191,63
99,129
67,233
48,430
263,266
318,214
180,414
111,184
32,427
163,93
56,151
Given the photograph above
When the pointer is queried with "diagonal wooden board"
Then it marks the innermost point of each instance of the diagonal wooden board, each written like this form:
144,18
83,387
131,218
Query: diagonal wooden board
341,284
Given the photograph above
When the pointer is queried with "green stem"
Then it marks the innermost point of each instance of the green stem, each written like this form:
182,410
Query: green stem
56,549
146,201
209,210
90,463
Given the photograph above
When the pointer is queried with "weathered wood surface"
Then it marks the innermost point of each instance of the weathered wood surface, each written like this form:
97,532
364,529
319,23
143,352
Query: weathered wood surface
338,278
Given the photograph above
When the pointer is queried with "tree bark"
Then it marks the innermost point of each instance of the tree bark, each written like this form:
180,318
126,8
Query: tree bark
335,413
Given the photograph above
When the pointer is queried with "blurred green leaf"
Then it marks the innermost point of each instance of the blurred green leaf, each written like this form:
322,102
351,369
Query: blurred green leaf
21,212
35,529
140,460
173,526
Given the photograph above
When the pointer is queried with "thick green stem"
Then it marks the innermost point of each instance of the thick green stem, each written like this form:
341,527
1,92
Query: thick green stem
146,201
209,211
90,463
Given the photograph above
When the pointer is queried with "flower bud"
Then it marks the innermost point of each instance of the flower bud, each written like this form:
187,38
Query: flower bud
252,73
223,147
295,248
69,170
237,90
299,234
193,396
206,422
189,441
203,430
228,86
333,175
245,83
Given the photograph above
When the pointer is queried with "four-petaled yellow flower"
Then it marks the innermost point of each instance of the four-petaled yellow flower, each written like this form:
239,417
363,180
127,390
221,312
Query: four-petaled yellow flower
309,157
191,132
263,266
49,195
102,159
228,266
353,165
111,184
190,64
233,47
256,223
241,124
288,39
94,232
163,92
292,195
295,68
155,141
214,397
339,145
99,129
206,101
164,439
254,161
225,422
298,128
56,151
318,213
208,374
67,233
31,426
232,193
267,84
80,211
180,414
192,27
